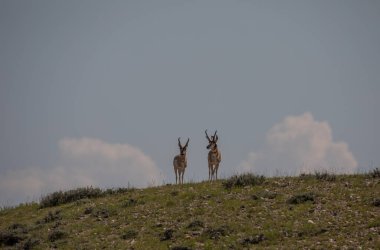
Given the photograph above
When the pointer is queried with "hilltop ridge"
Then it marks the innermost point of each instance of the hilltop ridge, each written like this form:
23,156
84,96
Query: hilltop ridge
242,212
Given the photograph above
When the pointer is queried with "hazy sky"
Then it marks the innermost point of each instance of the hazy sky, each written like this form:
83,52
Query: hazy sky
97,92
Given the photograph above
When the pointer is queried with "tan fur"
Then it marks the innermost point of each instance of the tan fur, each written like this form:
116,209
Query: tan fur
180,162
214,157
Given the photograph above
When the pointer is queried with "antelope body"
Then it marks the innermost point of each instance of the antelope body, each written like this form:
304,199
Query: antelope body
214,156
180,162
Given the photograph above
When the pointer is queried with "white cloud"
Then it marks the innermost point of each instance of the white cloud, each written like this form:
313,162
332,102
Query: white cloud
300,144
84,162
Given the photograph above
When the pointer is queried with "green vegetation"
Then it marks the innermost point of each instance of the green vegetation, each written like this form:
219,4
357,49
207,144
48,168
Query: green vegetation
375,173
301,198
320,175
243,180
242,212
58,198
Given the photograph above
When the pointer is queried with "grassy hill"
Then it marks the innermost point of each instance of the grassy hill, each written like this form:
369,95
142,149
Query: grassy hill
320,211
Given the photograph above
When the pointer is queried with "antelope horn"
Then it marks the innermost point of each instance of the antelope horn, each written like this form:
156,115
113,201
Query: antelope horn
214,135
208,138
179,142
187,143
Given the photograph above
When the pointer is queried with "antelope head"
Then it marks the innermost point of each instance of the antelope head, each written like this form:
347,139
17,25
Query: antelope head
212,142
183,149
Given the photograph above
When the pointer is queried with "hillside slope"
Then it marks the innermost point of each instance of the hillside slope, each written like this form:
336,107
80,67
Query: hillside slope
303,212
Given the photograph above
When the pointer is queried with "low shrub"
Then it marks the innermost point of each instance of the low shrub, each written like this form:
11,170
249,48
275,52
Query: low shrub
319,175
10,238
374,173
30,243
167,235
14,234
309,230
112,191
196,224
60,197
266,194
101,213
325,176
88,210
63,197
243,180
18,228
50,217
376,202
129,203
56,235
130,234
216,233
174,193
252,240
180,248
301,198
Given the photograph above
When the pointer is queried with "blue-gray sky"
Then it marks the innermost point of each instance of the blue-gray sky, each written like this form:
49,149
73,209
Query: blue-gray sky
97,92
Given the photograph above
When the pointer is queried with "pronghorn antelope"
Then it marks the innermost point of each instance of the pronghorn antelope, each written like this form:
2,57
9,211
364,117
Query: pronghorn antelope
214,156
180,162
